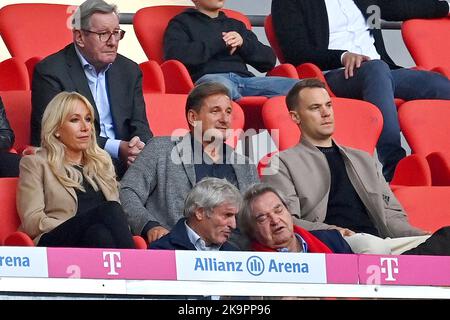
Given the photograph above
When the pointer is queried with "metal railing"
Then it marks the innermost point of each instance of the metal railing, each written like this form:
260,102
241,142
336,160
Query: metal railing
258,21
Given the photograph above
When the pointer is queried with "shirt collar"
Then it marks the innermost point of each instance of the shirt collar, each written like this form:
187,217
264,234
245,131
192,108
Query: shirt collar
198,242
304,246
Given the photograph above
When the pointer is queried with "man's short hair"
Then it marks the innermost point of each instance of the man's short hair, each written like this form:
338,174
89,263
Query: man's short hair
199,93
293,96
210,193
82,16
245,217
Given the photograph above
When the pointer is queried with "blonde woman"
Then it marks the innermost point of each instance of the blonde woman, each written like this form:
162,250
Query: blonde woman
68,193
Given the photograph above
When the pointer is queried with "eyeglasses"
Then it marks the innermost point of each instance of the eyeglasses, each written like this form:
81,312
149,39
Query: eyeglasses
105,36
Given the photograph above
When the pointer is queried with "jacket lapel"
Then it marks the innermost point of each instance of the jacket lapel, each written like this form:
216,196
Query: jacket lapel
115,96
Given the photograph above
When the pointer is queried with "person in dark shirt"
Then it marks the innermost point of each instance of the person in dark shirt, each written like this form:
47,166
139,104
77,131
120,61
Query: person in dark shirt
68,194
216,48
154,188
329,186
9,162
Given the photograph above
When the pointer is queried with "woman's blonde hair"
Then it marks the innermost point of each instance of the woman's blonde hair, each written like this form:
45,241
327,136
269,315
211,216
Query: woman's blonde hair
97,164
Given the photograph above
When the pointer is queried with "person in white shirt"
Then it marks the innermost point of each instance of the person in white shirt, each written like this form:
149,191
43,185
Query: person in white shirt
343,38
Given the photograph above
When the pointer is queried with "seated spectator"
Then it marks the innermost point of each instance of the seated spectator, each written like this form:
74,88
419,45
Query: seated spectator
112,83
343,38
329,186
68,194
210,213
9,162
154,188
266,220
216,48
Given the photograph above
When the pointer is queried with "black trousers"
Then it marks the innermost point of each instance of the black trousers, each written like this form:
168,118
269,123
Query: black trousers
9,164
104,226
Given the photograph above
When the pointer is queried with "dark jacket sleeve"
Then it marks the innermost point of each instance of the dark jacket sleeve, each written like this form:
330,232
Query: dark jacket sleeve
254,53
179,46
6,133
334,240
44,88
296,41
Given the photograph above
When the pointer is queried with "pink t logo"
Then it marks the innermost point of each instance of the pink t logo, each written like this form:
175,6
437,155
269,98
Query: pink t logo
109,261
390,268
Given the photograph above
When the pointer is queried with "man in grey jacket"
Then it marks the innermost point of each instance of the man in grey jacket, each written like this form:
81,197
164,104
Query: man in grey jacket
154,188
335,187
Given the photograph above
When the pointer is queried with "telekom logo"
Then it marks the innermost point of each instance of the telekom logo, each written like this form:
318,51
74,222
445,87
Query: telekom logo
111,260
389,266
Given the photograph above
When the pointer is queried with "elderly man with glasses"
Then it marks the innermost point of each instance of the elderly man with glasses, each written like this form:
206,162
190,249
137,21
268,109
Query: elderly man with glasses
112,83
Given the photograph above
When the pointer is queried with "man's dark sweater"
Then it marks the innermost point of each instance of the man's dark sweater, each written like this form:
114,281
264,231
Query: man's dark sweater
195,39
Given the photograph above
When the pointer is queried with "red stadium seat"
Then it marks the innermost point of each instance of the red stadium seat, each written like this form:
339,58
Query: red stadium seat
150,24
427,207
358,123
18,111
166,115
10,220
305,70
425,127
35,29
427,41
152,77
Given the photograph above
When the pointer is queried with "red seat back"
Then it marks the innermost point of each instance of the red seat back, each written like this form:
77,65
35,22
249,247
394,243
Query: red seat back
9,218
35,29
150,25
428,41
425,125
13,75
166,115
428,208
358,123
18,111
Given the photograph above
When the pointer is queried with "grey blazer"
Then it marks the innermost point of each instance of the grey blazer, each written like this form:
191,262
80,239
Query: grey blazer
303,175
155,186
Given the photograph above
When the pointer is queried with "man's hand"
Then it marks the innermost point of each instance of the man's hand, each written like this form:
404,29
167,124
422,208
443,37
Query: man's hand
155,233
233,40
128,150
345,232
351,61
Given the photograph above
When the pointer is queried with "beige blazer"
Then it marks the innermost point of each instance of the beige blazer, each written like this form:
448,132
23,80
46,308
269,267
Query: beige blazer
43,203
303,175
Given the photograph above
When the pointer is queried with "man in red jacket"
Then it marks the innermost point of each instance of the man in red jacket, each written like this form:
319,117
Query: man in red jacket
265,219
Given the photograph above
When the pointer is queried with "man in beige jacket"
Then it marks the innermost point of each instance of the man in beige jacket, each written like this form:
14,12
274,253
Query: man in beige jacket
335,187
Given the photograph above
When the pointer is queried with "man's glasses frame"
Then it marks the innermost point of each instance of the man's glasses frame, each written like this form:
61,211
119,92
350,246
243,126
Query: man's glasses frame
106,35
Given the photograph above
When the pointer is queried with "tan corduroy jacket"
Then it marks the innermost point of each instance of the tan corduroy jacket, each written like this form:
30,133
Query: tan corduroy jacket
303,175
